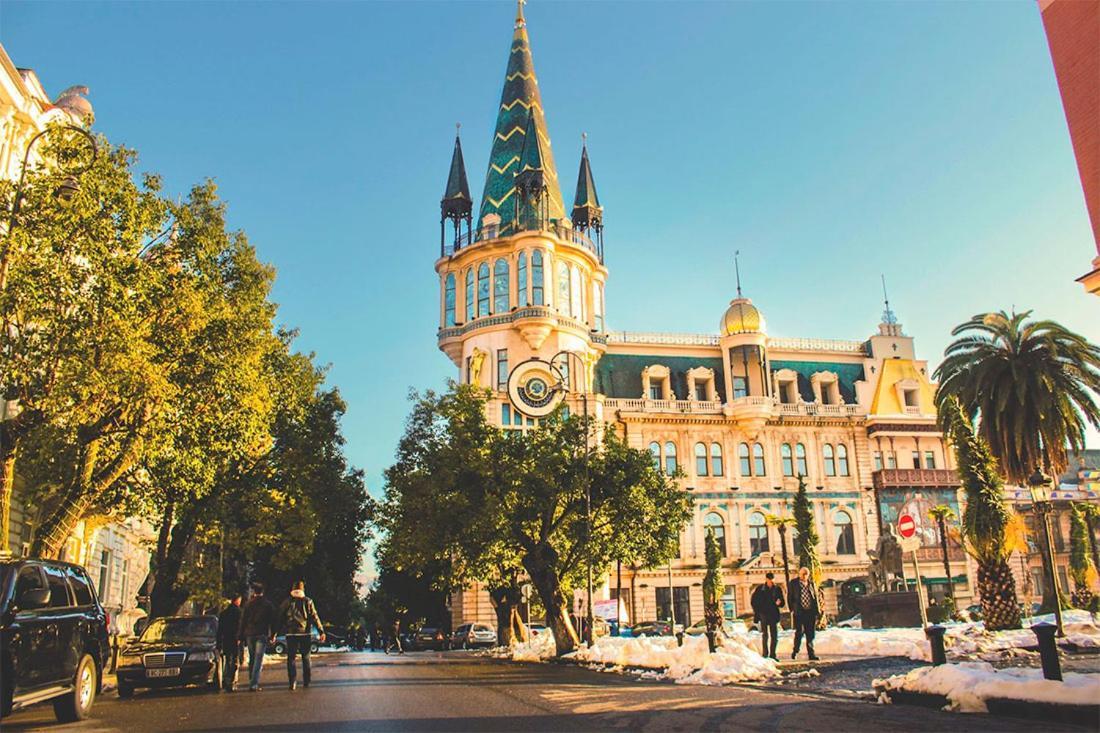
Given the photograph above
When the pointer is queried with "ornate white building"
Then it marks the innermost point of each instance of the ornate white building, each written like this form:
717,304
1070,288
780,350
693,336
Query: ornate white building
740,412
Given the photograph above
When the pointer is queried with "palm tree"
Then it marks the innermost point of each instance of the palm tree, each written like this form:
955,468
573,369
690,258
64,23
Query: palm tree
782,523
1032,386
944,514
987,521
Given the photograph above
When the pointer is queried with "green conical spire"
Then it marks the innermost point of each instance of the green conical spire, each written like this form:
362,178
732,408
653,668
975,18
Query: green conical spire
457,187
519,101
586,185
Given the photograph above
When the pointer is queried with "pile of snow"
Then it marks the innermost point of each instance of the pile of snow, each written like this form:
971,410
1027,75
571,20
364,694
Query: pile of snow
690,664
968,685
540,647
910,643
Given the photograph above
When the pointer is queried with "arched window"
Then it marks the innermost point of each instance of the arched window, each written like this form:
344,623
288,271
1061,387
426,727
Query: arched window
715,459
758,534
576,293
788,461
500,286
597,296
700,459
800,459
830,461
670,458
743,454
483,289
449,301
842,459
536,278
655,449
562,275
845,534
521,275
713,520
758,460
469,314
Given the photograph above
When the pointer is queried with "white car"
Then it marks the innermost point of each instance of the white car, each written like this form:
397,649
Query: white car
855,622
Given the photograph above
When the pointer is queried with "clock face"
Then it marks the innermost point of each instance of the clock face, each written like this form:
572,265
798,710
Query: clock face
534,388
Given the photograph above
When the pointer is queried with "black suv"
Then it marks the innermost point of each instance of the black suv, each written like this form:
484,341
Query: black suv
53,637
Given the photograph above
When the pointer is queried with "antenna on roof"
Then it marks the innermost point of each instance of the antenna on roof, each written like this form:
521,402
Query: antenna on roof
887,315
737,269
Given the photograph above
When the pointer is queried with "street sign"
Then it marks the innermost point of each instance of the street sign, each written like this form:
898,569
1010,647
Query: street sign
907,526
909,544
525,592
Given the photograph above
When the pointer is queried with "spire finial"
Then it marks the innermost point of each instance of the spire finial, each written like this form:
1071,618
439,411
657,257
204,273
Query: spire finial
520,22
737,269
584,140
458,129
888,316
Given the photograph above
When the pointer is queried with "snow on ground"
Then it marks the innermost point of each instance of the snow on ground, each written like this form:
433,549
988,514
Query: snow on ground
967,685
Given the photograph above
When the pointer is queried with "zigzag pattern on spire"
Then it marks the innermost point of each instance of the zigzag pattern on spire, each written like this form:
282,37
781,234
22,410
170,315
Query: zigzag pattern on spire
519,100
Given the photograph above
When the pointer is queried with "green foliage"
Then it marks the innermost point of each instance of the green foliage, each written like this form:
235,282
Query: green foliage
492,501
807,531
713,587
1032,385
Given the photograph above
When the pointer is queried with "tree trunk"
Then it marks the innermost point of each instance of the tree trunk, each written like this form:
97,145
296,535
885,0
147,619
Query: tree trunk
997,589
7,483
946,563
541,566
167,595
504,608
519,628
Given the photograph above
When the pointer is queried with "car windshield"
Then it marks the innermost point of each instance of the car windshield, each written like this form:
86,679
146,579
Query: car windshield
181,629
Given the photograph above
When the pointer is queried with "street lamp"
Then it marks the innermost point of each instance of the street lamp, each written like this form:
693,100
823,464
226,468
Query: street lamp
1039,484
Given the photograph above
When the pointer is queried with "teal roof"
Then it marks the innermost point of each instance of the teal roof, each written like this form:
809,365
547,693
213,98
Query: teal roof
847,376
519,100
457,187
586,185
620,375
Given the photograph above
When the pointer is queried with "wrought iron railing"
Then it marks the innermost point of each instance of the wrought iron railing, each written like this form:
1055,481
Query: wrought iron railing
555,227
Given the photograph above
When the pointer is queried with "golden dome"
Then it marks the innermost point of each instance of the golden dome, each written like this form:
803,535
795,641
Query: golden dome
742,317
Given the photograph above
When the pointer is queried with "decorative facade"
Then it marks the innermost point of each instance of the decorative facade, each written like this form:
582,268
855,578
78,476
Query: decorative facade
739,412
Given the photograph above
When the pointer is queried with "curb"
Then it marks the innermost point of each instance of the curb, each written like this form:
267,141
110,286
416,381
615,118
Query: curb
1085,715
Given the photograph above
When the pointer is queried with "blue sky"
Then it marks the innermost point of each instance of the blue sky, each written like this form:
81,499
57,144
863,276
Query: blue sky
829,142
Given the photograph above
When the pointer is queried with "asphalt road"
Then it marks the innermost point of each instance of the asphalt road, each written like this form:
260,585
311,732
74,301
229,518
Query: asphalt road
457,691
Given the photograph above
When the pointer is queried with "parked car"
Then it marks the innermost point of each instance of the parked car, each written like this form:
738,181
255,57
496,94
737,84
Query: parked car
429,637
699,628
173,651
468,636
279,647
855,622
53,638
652,628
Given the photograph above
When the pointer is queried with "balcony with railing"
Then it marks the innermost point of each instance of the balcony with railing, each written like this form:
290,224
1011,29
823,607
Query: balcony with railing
904,478
554,227
750,403
531,311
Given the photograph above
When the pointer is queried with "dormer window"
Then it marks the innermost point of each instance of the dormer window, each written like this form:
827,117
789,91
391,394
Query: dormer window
908,393
786,386
656,390
912,397
826,388
657,383
701,386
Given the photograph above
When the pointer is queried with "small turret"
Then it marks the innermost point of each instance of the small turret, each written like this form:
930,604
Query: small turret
456,204
587,212
531,184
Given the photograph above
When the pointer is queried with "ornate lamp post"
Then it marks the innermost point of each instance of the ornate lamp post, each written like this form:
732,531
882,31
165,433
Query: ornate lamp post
1039,484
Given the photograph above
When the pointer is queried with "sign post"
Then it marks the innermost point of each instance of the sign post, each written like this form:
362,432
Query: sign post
910,542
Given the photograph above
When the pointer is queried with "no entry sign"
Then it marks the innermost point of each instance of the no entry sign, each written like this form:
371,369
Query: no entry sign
907,526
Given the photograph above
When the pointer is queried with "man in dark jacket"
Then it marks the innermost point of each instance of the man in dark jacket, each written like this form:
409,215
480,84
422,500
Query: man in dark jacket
297,615
802,596
229,646
257,631
766,601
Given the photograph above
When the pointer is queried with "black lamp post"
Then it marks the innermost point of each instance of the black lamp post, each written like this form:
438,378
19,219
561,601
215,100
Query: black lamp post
1039,484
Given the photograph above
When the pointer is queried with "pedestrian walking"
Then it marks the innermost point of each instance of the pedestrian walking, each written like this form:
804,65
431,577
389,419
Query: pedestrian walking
394,641
766,602
229,645
298,616
257,631
802,596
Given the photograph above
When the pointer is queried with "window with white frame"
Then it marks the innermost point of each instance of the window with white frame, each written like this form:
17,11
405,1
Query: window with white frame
746,462
842,459
670,458
715,459
787,457
521,280
758,460
829,459
701,459
758,534
449,301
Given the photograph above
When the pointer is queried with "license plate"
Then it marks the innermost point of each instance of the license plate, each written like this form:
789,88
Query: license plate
166,672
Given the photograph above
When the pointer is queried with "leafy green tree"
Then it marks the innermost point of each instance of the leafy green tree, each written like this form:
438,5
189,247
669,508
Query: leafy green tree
807,532
1080,564
480,496
713,587
987,520
77,308
1031,385
942,514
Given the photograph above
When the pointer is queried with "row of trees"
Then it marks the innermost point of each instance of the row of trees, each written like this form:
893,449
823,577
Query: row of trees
143,374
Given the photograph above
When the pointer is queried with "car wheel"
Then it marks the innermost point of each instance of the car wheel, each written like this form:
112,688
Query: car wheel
314,647
75,705
125,691
279,648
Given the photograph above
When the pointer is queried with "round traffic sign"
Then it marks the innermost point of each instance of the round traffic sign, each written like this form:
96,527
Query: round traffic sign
907,526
